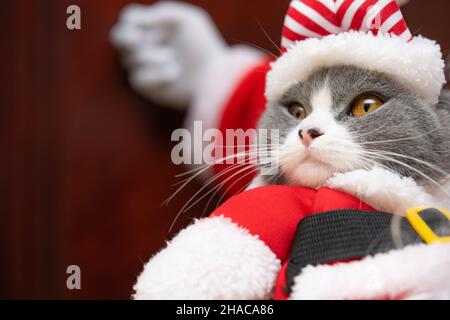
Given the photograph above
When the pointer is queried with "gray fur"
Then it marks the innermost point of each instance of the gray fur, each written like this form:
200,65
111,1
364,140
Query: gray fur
415,129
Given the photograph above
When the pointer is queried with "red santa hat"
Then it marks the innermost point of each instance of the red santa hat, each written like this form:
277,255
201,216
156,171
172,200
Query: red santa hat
370,34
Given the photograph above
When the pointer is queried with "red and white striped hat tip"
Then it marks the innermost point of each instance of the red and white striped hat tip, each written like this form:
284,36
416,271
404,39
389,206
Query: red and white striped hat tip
319,18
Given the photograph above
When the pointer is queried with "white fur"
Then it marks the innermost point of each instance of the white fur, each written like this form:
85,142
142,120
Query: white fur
176,56
414,272
298,167
335,151
417,65
383,190
322,100
211,259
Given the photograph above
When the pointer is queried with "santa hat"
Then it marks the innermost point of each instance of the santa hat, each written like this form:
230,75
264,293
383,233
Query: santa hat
370,34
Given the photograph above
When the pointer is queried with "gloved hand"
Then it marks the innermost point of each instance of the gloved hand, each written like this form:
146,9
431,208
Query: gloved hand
167,48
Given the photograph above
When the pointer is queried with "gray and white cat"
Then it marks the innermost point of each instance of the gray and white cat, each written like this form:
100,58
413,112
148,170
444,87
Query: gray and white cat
394,155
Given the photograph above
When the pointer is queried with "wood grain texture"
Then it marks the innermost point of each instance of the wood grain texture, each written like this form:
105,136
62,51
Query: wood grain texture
85,162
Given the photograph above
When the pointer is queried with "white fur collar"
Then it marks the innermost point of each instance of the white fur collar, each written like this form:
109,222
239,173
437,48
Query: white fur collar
415,272
387,191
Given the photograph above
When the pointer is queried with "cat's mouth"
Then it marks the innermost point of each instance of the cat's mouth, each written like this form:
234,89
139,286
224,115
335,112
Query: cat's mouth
310,156
306,169
309,173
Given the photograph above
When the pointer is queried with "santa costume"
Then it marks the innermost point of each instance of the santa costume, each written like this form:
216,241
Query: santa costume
293,242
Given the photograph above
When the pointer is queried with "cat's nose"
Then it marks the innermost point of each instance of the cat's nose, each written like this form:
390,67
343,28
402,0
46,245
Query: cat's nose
308,136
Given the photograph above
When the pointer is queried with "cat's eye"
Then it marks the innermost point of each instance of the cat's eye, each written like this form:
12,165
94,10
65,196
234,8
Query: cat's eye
297,110
366,104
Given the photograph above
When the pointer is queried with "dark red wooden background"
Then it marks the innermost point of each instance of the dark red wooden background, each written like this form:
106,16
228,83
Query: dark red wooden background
85,162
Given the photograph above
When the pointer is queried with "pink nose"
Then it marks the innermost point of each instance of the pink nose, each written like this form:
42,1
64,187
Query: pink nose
308,136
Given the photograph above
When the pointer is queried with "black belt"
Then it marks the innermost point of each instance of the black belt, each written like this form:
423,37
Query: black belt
350,234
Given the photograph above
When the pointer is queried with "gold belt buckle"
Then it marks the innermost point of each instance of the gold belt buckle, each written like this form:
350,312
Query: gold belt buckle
423,229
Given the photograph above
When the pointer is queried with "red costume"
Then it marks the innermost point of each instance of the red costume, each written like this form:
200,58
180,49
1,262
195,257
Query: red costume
273,213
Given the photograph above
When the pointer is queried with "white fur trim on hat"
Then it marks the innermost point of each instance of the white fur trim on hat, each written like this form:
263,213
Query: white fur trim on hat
415,272
417,65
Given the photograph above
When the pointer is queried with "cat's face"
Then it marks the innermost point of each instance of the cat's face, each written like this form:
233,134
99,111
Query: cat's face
345,118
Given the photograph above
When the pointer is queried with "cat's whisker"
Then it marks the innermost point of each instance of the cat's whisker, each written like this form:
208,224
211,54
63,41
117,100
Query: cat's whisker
225,193
378,164
190,179
245,145
374,131
393,154
244,187
258,47
217,161
203,168
188,203
253,170
268,36
249,163
428,164
425,176
400,139
184,184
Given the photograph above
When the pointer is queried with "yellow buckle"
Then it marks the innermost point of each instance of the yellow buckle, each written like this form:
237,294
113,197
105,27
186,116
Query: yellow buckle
421,227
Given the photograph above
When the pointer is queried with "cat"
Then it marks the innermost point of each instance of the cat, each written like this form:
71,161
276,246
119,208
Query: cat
395,156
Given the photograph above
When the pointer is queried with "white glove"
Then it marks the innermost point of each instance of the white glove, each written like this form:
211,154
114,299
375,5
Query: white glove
167,48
